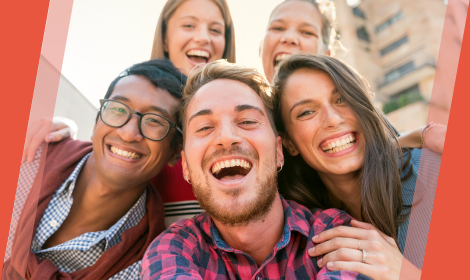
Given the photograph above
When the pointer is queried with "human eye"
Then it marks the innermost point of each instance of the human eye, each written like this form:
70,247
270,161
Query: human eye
118,110
188,25
215,30
340,100
304,113
154,121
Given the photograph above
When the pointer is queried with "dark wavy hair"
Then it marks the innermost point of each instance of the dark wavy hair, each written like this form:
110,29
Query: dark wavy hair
381,192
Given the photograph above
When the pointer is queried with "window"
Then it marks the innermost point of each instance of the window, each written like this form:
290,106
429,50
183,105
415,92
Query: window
389,22
399,72
362,34
393,46
359,13
403,98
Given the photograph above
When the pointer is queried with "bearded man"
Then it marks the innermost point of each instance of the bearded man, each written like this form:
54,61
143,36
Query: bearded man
230,156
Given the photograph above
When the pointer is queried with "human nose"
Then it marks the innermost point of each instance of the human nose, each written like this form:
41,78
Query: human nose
290,37
202,35
130,131
227,136
331,118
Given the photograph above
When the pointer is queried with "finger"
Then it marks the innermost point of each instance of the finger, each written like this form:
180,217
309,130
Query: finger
367,226
341,231
33,129
36,141
332,245
58,135
343,254
358,267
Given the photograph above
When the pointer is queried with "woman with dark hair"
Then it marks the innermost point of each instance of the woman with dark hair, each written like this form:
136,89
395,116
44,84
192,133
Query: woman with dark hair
340,152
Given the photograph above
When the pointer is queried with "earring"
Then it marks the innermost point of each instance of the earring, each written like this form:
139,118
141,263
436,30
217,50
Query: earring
279,170
186,179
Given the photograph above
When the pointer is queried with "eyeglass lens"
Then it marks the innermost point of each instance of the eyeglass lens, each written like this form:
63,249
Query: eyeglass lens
152,126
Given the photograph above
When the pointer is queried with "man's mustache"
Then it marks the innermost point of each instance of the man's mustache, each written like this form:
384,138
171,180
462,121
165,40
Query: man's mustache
234,151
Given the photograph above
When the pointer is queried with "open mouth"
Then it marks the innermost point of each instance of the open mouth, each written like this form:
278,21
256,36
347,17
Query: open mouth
198,56
123,153
231,170
339,144
280,57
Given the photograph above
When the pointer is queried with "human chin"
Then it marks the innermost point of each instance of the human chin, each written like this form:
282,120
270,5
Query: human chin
238,206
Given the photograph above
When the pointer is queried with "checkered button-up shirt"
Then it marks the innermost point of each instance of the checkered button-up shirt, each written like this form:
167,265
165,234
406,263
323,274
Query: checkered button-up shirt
194,249
82,251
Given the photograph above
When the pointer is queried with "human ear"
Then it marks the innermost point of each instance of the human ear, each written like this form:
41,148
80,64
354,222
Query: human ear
280,154
186,175
288,144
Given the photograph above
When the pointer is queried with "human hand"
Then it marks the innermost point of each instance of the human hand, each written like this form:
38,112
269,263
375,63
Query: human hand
342,249
45,130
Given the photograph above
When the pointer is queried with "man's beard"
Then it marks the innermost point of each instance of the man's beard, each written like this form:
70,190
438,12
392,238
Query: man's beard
238,213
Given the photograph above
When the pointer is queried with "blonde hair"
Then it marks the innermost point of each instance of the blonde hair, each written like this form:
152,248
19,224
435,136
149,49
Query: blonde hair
169,9
222,69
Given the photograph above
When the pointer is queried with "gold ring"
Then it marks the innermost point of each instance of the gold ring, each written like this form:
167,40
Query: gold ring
364,256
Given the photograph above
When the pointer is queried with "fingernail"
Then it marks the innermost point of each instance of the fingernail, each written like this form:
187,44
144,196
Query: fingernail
329,265
311,250
51,138
320,261
315,237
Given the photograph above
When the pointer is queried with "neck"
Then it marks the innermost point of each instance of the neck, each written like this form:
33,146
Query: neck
99,204
257,238
345,189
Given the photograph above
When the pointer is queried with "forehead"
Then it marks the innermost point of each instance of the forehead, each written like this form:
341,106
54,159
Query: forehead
201,9
297,11
310,82
140,91
223,96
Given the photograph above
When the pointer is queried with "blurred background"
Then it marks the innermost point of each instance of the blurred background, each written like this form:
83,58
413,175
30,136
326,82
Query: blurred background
393,43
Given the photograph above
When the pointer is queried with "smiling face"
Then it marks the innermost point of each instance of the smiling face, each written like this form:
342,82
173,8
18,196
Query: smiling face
122,155
294,26
195,34
231,152
319,125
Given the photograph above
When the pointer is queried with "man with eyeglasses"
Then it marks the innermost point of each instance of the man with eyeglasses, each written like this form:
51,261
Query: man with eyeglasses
93,209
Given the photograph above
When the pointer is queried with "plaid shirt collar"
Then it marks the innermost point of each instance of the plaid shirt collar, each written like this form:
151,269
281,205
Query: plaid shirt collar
292,222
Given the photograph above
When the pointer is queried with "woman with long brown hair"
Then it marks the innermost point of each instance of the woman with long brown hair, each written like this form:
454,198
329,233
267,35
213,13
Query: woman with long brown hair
340,152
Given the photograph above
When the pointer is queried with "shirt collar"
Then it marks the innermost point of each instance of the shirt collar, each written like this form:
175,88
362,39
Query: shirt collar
295,219
69,184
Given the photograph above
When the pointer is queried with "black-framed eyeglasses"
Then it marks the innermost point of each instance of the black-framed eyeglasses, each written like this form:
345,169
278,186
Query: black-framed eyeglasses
152,126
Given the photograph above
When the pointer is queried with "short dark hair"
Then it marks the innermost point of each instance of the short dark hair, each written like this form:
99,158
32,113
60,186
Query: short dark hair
161,73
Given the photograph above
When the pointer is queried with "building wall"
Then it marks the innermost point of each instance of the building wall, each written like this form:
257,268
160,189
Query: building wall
73,105
418,25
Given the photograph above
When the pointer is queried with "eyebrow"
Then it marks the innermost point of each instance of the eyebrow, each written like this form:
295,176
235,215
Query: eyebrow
197,19
305,101
244,107
314,25
151,107
205,112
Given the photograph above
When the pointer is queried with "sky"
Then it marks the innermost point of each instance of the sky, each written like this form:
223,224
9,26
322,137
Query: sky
107,36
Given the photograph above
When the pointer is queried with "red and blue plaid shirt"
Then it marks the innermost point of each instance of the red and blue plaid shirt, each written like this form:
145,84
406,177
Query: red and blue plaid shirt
194,249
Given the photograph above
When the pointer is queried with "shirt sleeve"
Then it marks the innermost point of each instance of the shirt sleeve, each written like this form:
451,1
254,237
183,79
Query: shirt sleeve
172,255
26,177
326,220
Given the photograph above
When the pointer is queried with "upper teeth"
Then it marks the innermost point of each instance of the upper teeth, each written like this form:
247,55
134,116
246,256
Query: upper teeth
230,163
123,153
280,57
339,145
198,53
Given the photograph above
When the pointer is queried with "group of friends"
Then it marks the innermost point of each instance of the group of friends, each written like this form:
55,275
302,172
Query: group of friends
199,168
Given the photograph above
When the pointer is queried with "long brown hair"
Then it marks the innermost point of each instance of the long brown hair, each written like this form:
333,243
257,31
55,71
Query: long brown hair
169,9
381,193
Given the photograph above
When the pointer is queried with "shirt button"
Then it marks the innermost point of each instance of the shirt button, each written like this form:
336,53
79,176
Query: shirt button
53,223
258,277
